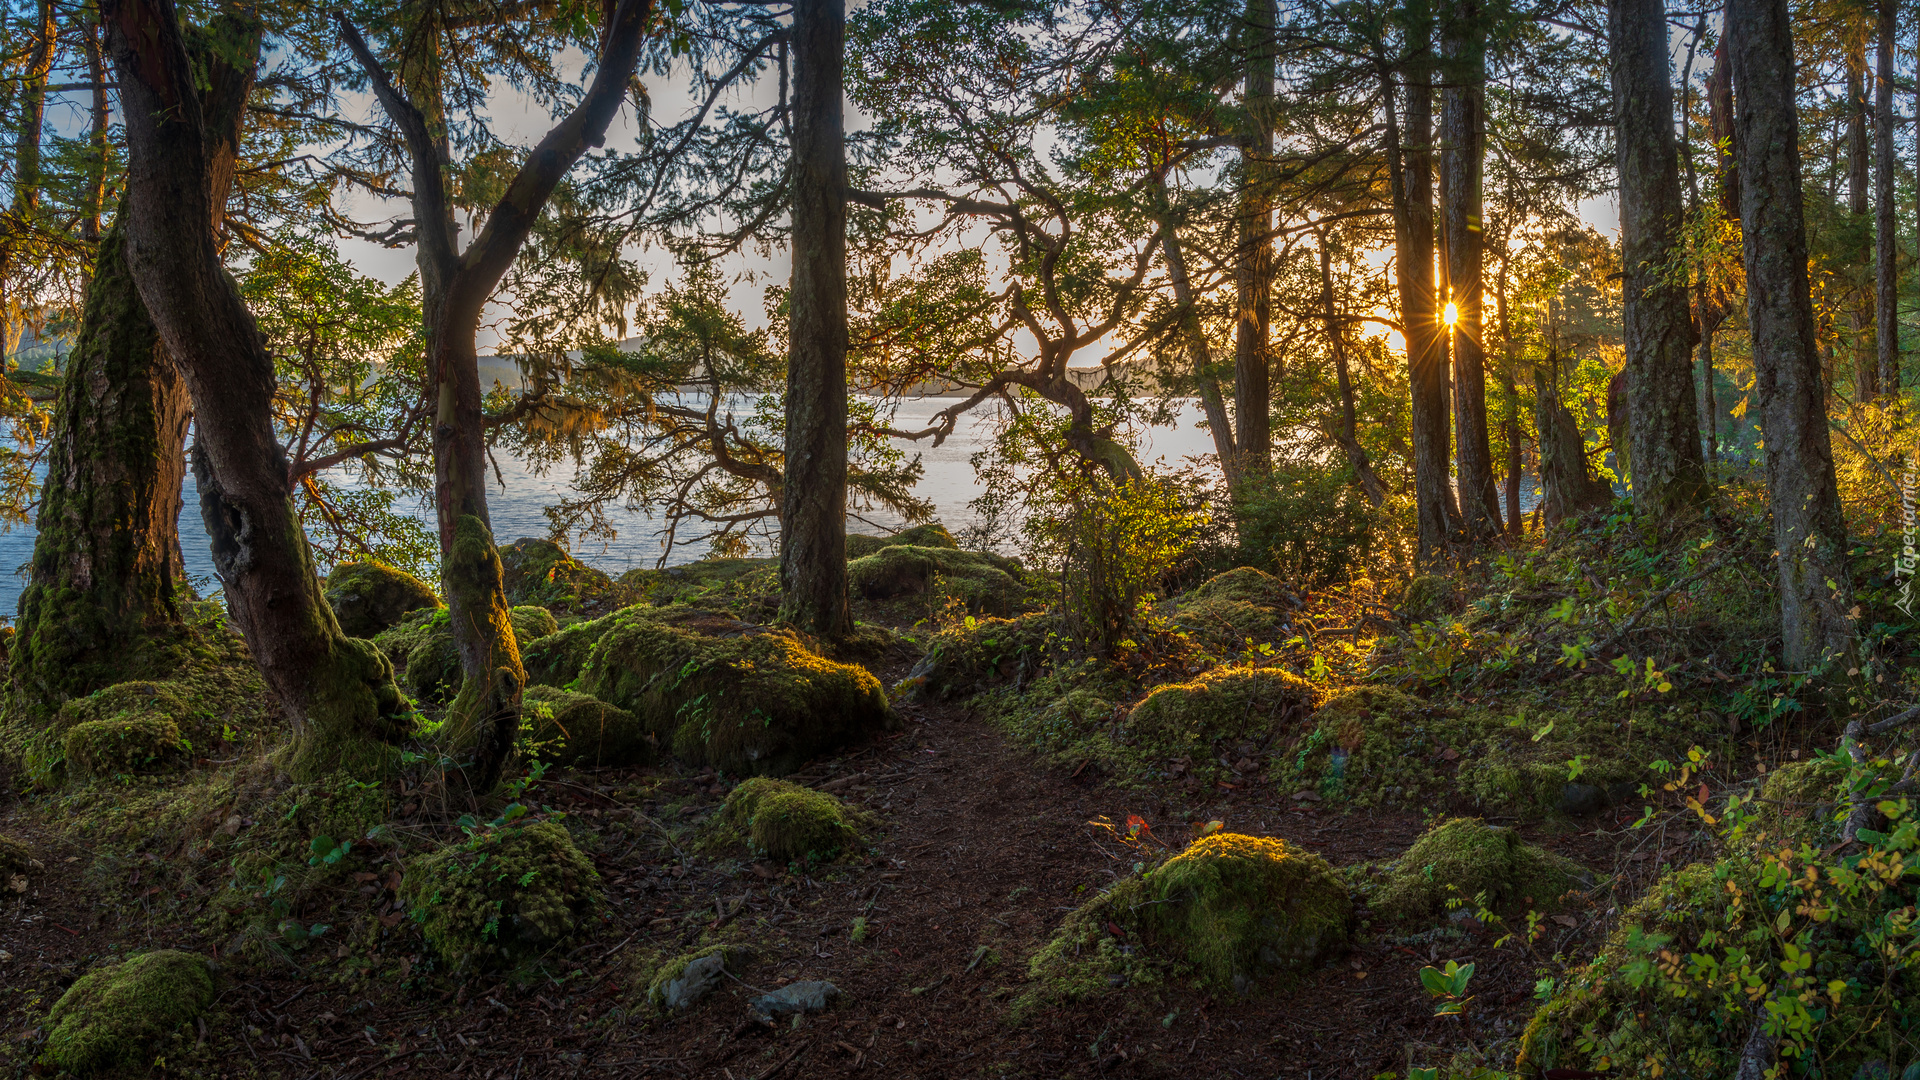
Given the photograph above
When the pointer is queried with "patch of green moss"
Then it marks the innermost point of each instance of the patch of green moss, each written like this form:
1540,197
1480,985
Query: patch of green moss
127,744
432,670
368,597
558,658
149,726
931,535
503,896
983,582
745,587
1228,612
654,976
732,695
1235,910
1235,712
1465,859
16,860
1427,596
112,1017
574,729
1579,750
541,573
789,823
1798,804
966,658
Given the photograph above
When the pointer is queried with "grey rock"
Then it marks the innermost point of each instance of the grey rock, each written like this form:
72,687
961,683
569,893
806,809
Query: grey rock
1579,800
697,981
800,998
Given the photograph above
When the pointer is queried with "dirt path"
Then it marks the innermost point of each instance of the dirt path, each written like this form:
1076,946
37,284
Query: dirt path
982,853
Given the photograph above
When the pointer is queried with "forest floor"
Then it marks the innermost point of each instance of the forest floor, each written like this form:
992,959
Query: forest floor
982,851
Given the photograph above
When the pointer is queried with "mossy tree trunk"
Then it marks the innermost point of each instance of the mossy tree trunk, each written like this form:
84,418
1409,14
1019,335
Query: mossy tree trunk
338,692
99,607
485,716
1663,418
813,517
1809,531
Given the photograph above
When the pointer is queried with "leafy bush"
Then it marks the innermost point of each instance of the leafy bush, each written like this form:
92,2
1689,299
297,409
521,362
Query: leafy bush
1309,526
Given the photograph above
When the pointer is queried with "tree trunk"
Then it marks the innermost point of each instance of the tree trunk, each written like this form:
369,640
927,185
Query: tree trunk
1886,236
1410,170
1253,277
484,717
338,692
1200,355
1866,375
1663,416
1516,525
813,519
1465,142
32,77
1345,432
1808,528
1567,488
1711,414
99,606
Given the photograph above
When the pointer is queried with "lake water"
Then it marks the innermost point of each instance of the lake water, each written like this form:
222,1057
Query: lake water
516,506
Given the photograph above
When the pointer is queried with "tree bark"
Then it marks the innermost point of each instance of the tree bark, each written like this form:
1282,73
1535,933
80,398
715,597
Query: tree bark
1809,530
1663,415
1200,355
1254,267
1345,432
1567,488
455,286
813,519
1886,224
338,692
1410,172
1516,525
1464,123
99,606
32,77
1866,375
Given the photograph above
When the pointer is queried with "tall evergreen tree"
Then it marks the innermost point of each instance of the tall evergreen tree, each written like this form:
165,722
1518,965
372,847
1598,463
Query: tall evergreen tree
1464,147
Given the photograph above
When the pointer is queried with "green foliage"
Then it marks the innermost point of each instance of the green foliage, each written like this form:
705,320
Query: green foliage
1308,525
369,597
1464,860
114,1017
789,823
1448,988
503,896
1112,543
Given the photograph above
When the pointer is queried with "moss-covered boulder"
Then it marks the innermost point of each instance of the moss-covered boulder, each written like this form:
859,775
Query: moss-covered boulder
967,658
540,573
503,896
368,597
732,695
1228,612
432,660
558,658
115,1017
1799,804
984,582
789,823
1466,859
931,535
742,586
1427,596
1234,910
124,745
573,729
679,983
1236,712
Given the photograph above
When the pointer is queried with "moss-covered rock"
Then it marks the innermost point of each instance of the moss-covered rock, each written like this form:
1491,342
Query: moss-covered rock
1236,712
17,864
1228,612
573,729
503,896
1799,804
432,660
967,658
558,658
1466,859
984,582
1235,910
729,694
745,587
1427,596
368,597
789,823
682,981
124,745
541,573
113,1017
931,535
